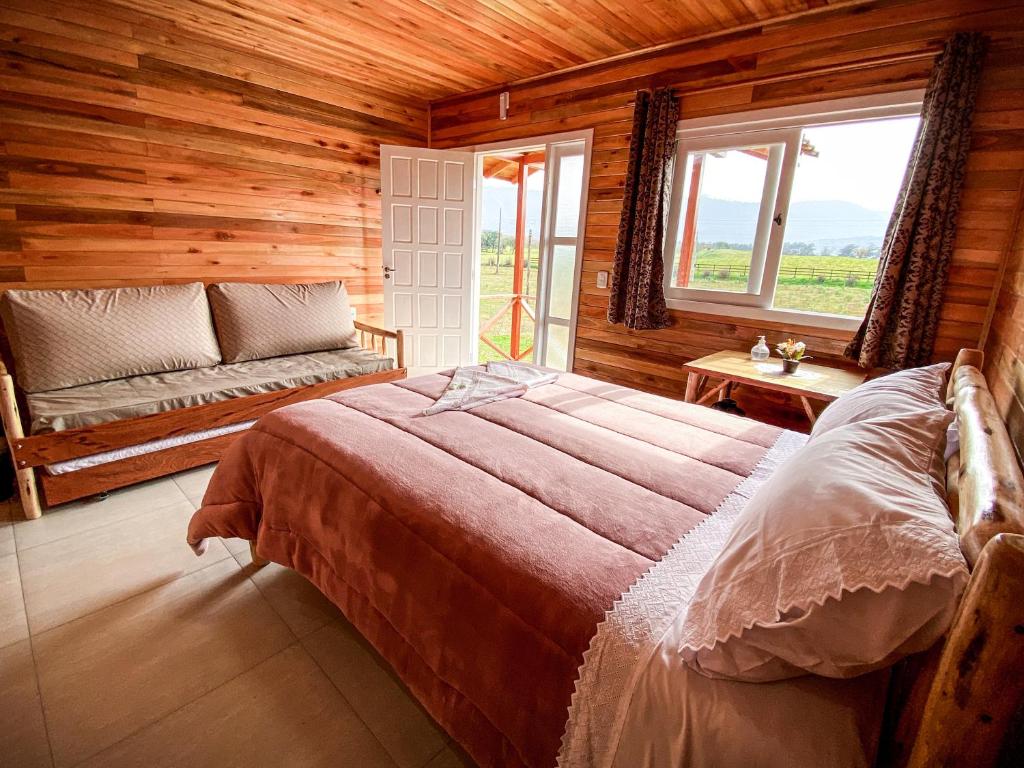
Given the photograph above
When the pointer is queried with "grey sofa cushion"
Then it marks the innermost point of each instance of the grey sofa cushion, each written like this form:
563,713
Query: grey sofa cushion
65,338
261,320
159,392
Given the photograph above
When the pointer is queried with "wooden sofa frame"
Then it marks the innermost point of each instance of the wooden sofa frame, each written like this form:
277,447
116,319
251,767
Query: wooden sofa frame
32,452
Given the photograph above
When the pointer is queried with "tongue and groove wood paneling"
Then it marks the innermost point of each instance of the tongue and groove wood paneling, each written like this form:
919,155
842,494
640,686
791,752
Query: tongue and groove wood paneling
132,151
873,48
1004,347
429,49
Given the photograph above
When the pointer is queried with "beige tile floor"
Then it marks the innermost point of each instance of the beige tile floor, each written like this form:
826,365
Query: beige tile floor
119,647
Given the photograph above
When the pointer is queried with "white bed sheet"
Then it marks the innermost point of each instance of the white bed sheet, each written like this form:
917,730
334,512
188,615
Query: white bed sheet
638,705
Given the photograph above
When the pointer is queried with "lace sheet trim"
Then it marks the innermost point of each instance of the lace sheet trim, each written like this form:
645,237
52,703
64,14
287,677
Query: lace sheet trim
633,627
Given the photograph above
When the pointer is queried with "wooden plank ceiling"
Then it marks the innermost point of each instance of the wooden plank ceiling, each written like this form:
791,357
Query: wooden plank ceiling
428,49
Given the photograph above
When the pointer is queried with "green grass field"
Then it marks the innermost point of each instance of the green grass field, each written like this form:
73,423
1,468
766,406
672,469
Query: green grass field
833,284
500,281
836,285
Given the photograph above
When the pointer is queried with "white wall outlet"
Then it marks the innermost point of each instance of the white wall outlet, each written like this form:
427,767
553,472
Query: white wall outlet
602,279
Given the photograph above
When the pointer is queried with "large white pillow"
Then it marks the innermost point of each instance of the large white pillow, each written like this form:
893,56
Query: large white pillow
907,391
844,561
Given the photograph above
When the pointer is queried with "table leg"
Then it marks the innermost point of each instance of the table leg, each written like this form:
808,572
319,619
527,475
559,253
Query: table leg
808,410
714,392
691,386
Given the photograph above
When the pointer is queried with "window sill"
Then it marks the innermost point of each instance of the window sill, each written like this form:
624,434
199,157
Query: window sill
783,316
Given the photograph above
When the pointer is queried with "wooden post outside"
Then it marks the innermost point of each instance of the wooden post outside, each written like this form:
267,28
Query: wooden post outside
690,224
517,274
13,429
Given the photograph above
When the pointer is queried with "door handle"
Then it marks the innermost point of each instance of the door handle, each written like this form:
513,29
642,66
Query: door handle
387,272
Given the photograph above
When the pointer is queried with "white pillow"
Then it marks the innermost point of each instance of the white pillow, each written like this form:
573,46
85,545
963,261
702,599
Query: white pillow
907,391
844,561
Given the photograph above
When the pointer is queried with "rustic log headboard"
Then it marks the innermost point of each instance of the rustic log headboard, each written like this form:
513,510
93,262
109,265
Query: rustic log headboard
964,700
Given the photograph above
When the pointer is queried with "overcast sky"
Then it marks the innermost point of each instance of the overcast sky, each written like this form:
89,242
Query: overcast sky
861,163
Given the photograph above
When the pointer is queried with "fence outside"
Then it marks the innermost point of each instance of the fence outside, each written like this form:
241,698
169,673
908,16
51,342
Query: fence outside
736,271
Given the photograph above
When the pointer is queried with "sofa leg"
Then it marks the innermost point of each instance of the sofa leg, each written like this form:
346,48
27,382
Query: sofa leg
26,476
257,561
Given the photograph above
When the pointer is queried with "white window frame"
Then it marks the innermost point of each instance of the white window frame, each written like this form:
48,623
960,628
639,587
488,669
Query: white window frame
781,129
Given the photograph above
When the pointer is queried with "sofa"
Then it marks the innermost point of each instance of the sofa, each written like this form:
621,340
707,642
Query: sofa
121,385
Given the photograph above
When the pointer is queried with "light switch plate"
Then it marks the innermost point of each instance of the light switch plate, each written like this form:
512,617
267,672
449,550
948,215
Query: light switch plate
602,279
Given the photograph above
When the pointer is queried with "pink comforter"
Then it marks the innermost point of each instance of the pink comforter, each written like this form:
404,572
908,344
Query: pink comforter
478,551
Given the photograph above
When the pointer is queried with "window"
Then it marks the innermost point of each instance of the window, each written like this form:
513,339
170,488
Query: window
784,211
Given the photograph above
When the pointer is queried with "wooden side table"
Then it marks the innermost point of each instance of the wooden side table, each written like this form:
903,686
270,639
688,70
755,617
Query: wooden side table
810,382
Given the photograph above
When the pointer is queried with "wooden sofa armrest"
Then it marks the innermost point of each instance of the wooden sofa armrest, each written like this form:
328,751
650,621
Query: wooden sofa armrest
376,332
15,433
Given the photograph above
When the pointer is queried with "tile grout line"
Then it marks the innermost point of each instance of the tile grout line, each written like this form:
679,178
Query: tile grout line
121,601
316,662
434,756
177,709
35,664
94,528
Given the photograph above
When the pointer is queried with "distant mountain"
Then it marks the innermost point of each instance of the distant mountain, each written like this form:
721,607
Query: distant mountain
826,223
831,223
503,199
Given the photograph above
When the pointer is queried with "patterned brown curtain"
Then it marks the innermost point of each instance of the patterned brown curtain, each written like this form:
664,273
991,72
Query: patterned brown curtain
903,314
637,293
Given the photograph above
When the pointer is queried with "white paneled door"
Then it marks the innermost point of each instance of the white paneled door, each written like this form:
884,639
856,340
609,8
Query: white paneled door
429,281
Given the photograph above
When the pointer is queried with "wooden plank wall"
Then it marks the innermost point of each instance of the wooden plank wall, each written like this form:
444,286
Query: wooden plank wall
132,151
879,47
1004,347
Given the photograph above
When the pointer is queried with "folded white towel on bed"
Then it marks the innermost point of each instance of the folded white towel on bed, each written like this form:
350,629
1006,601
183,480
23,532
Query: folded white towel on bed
474,386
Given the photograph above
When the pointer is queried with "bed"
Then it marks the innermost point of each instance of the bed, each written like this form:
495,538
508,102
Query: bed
480,552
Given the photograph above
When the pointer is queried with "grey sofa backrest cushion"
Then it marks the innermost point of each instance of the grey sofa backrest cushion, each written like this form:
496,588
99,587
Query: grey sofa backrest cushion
63,338
260,320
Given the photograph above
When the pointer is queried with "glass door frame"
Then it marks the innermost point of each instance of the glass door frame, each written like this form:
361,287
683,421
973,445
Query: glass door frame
550,144
554,152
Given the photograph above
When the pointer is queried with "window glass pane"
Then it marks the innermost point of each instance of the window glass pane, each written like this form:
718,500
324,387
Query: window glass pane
563,267
847,180
718,217
556,354
570,188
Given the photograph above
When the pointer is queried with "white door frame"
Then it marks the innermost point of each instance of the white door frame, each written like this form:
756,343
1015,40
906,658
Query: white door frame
546,140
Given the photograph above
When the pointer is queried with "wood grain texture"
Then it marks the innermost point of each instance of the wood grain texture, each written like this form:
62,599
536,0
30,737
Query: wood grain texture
970,713
427,49
68,444
134,149
871,48
1004,346
58,489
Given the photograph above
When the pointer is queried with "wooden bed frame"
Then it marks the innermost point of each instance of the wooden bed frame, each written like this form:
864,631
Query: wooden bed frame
28,453
958,704
962,703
